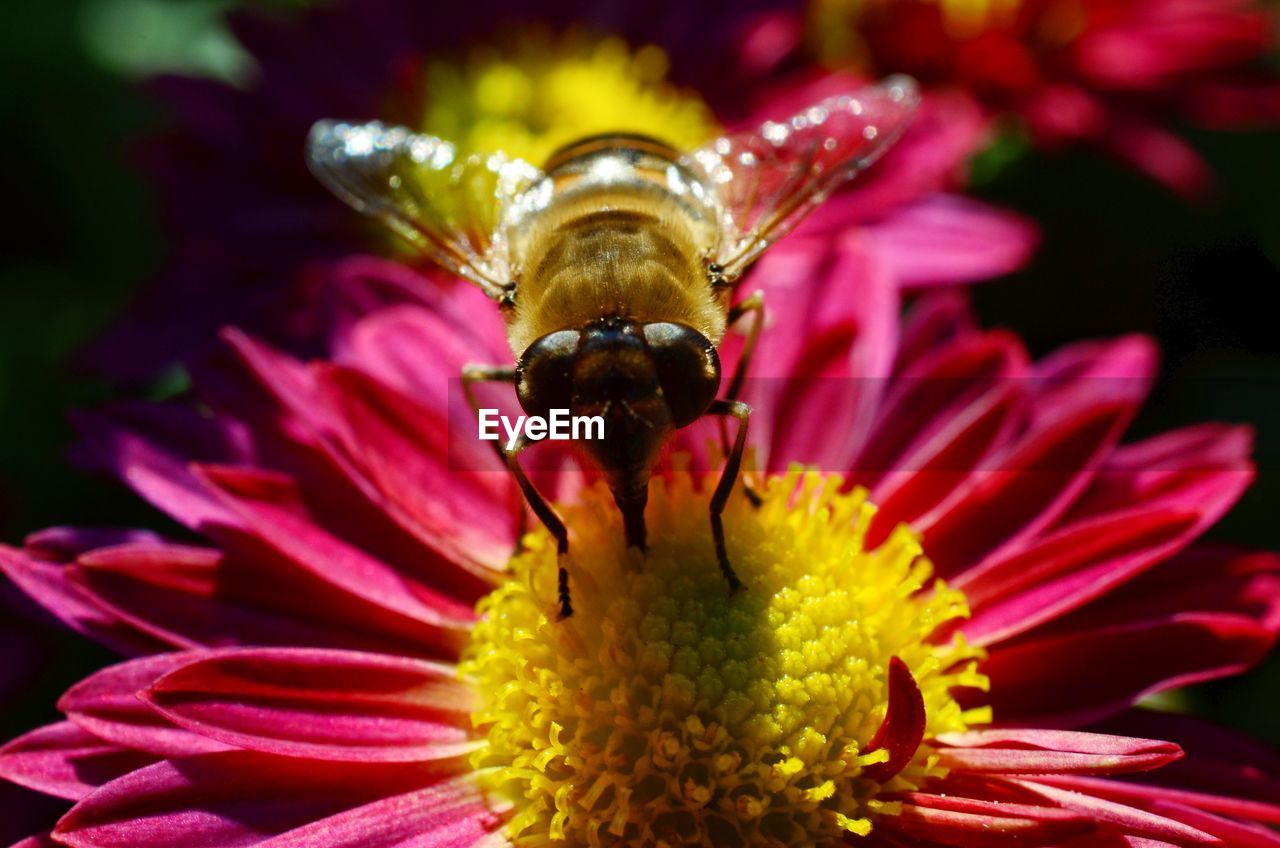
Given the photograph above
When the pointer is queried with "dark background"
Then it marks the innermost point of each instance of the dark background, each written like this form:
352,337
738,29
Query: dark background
1121,255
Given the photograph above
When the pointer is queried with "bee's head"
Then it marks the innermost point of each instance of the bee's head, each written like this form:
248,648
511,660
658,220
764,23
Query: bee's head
643,379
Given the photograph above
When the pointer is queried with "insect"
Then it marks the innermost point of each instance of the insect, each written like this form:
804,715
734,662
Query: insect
615,265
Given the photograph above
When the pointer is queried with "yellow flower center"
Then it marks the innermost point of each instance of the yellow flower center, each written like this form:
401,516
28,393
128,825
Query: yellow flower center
531,94
669,712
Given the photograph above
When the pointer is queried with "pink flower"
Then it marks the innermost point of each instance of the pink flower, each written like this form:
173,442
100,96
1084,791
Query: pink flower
1115,73
246,220
317,671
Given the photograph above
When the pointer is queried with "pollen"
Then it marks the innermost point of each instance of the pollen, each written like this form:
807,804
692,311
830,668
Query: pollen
531,95
668,711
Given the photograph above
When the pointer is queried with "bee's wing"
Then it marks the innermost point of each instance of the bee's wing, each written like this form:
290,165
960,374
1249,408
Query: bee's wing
767,180
449,207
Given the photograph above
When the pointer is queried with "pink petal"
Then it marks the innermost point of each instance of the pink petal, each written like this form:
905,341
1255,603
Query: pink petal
935,320
1075,678
63,544
939,386
1027,488
983,824
1085,397
150,448
106,705
1144,506
1224,772
1166,464
1229,832
1160,154
449,814
1215,579
47,584
63,760
1016,751
902,728
189,597
332,705
1144,795
436,479
460,326
270,505
227,800
945,239
1125,819
832,311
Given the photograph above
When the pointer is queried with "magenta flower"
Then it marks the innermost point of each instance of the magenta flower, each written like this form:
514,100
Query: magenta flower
354,656
1115,73
246,219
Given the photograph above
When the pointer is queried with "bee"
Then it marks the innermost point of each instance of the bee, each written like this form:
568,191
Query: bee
615,266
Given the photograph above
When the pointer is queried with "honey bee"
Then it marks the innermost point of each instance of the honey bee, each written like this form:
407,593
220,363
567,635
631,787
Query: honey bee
615,265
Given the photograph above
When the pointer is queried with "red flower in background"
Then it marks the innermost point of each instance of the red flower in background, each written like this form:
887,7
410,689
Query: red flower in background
245,218
317,672
1114,73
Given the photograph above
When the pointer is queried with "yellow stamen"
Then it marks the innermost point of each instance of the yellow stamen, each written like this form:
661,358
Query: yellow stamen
527,96
667,711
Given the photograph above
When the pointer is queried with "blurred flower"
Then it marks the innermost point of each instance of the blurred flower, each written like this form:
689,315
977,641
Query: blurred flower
1110,72
357,659
245,217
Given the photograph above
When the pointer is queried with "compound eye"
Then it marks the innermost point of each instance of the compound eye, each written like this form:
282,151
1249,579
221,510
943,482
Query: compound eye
688,369
545,373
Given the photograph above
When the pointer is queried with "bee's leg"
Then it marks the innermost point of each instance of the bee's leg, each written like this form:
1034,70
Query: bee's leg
550,519
753,305
733,465
472,374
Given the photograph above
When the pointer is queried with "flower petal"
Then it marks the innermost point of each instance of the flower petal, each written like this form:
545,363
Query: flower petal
445,487
902,729
150,447
1204,614
1224,772
106,704
189,596
63,760
946,239
234,798
329,705
1227,831
450,814
1147,503
1084,412
271,506
1017,751
1128,820
983,824
48,584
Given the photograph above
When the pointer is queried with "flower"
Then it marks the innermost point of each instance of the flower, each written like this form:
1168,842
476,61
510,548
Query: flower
247,221
1107,72
355,657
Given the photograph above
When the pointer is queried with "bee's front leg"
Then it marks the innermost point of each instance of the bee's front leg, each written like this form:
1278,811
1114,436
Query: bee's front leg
754,307
473,374
733,465
550,519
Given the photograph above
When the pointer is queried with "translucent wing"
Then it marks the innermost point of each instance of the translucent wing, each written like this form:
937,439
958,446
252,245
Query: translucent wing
769,179
449,207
